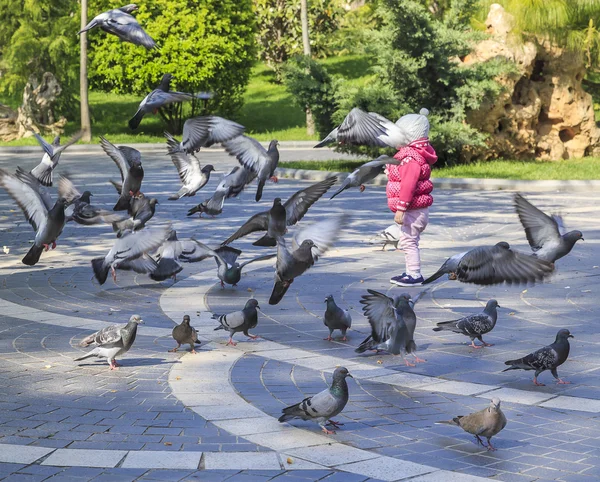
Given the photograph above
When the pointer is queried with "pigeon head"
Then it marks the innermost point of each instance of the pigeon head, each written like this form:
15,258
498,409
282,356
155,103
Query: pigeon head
404,297
61,201
85,197
341,373
563,335
573,236
153,201
329,298
308,243
56,141
273,144
251,303
136,319
495,404
277,201
208,168
503,244
186,319
132,7
492,304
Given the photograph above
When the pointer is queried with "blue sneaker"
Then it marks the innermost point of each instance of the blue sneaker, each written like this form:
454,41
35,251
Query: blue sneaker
407,280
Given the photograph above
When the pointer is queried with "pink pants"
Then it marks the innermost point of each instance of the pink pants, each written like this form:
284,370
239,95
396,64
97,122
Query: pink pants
414,223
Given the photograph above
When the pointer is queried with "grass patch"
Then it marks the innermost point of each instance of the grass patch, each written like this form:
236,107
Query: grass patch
587,168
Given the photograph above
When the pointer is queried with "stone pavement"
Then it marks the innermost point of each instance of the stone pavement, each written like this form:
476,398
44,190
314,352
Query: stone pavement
212,416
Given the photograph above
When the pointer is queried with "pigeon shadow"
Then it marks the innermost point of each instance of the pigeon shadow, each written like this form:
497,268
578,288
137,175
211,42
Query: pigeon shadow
131,362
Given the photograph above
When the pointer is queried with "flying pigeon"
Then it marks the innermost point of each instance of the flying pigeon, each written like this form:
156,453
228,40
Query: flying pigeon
119,22
47,218
253,156
129,247
547,235
323,406
368,129
129,162
276,219
228,269
485,423
336,319
365,173
80,208
185,334
43,171
112,341
474,326
235,181
204,131
169,254
493,265
239,321
142,209
212,206
548,358
393,323
192,175
159,97
308,245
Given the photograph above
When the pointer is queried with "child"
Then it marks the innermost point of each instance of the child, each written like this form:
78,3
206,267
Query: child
409,193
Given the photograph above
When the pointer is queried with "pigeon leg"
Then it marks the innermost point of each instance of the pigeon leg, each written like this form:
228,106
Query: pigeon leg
473,345
47,246
344,338
334,423
452,276
234,285
418,360
479,441
327,431
113,365
192,349
328,338
559,381
274,179
490,447
362,188
231,342
536,383
222,285
484,343
54,244
174,350
409,364
252,337
114,273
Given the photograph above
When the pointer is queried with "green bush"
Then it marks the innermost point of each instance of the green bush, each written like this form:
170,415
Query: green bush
208,45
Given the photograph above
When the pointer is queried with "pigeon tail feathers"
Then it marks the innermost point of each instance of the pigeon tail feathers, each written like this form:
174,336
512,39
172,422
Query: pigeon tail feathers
265,241
100,270
134,122
33,255
43,174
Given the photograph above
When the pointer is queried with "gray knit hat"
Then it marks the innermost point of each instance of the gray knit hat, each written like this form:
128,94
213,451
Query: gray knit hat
416,126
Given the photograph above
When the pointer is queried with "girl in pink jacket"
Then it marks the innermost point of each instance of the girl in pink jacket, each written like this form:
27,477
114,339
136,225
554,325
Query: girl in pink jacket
409,193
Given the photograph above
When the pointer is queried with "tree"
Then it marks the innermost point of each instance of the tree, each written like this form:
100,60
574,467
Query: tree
310,123
86,125
208,45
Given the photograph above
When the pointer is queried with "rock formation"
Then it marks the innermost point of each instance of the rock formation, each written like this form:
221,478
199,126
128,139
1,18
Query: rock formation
543,112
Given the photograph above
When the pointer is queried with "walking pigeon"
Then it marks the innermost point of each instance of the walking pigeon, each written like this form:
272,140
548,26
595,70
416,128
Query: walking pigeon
80,208
336,319
485,423
185,334
129,162
159,97
112,341
142,209
253,156
323,406
275,220
548,358
119,22
474,326
308,245
494,265
393,323
239,321
43,171
129,247
547,235
47,218
365,173
204,131
228,269
193,176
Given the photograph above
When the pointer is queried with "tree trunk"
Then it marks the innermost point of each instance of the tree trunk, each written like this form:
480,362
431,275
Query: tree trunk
86,125
310,122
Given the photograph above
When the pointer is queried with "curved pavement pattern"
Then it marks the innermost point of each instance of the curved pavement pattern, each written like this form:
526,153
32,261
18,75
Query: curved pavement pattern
212,416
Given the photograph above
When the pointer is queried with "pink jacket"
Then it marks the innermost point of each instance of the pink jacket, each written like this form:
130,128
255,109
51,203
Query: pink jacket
408,184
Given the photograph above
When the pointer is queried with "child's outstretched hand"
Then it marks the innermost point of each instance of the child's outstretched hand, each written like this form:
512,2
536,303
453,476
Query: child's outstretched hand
399,217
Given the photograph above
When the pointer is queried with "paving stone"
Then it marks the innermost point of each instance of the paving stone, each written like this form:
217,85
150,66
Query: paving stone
162,460
241,460
85,458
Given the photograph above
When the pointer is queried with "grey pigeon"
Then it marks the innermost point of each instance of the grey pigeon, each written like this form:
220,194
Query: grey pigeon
80,209
253,156
485,423
112,341
185,334
548,358
393,322
129,162
323,406
213,206
365,173
46,218
235,181
142,209
128,248
275,220
169,254
239,321
474,326
493,265
546,235
367,129
204,131
159,97
193,176
119,22
336,319
228,269
43,171
308,245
